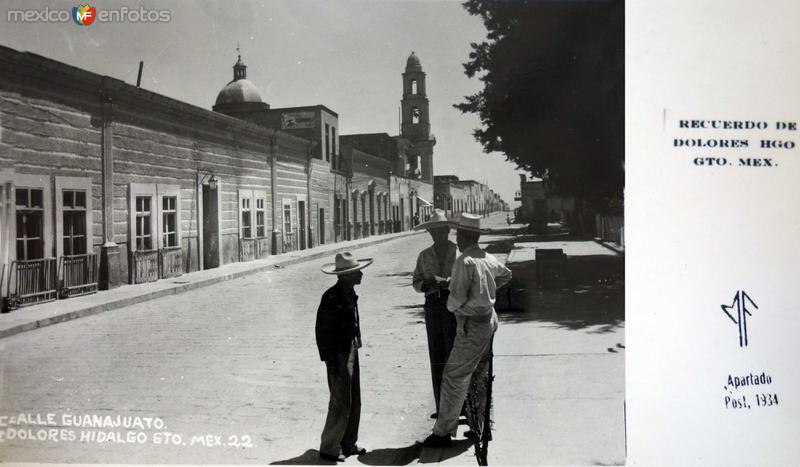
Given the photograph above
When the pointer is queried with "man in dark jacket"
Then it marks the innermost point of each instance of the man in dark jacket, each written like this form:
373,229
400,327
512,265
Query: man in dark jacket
431,277
338,340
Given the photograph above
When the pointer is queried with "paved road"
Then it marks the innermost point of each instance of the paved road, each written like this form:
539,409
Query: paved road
237,362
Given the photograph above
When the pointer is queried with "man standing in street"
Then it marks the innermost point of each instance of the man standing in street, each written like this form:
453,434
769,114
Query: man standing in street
431,276
475,278
338,340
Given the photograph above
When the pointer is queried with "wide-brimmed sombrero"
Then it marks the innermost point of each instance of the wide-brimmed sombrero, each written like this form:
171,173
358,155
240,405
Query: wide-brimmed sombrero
438,219
344,263
469,222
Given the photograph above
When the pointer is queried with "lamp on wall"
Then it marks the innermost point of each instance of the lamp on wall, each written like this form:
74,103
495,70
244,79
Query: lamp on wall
207,176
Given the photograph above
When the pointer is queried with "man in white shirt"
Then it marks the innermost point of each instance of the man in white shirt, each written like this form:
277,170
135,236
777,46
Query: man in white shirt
474,280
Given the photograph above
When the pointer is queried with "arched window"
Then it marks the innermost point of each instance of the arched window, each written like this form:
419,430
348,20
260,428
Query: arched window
414,115
414,87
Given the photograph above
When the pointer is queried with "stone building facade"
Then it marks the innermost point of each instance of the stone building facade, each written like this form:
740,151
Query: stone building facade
115,184
103,183
455,196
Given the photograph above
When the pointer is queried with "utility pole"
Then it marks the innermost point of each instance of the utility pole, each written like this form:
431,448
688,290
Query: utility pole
139,78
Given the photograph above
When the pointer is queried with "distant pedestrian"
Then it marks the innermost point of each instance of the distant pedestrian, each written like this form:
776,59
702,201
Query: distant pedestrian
338,340
475,278
431,277
508,219
416,219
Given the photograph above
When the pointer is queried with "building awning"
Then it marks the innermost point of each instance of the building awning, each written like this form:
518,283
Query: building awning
424,202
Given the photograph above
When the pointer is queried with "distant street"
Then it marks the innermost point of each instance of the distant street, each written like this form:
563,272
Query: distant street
233,370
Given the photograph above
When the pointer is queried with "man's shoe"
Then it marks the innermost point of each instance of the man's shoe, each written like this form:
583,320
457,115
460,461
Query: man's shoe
436,441
354,451
331,457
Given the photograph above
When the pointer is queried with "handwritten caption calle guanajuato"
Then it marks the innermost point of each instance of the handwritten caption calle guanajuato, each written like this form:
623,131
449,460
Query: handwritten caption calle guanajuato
735,143
117,429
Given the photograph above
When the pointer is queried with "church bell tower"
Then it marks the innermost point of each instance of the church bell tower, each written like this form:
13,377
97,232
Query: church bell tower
415,120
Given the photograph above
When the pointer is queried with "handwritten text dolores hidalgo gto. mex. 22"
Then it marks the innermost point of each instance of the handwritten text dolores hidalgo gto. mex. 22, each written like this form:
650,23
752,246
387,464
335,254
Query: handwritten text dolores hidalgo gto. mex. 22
94,428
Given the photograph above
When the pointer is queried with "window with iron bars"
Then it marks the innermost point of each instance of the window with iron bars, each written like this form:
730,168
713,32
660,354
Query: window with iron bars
74,222
169,221
260,218
144,236
30,223
247,221
287,218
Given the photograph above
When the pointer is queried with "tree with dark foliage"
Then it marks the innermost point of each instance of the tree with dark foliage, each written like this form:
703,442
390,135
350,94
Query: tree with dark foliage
553,96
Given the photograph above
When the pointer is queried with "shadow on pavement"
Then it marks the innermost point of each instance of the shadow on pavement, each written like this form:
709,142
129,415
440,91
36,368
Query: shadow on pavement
310,457
392,456
553,238
576,307
417,310
434,456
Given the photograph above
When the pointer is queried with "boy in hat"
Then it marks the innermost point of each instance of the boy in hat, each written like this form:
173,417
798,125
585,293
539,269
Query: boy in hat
475,278
338,339
431,277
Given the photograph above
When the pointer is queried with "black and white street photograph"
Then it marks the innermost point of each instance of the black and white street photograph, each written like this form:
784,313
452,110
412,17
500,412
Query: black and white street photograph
295,232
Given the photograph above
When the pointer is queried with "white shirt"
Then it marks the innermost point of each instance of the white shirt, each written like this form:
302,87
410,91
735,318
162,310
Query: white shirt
475,278
429,265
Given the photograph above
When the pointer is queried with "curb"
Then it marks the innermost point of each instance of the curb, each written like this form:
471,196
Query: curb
180,288
618,250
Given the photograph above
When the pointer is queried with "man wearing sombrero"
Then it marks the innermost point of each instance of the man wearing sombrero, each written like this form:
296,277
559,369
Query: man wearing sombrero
431,276
475,278
338,340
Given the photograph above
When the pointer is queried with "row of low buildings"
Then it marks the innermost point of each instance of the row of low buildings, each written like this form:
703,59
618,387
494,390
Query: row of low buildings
103,183
538,206
454,196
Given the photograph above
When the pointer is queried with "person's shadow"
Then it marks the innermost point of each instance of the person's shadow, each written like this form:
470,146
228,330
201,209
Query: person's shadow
392,456
310,457
388,456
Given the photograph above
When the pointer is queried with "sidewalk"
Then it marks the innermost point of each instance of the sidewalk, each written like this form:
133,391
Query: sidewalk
37,316
559,361
587,261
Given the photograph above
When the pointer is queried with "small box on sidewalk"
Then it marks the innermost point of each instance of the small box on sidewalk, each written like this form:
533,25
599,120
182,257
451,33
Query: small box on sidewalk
551,268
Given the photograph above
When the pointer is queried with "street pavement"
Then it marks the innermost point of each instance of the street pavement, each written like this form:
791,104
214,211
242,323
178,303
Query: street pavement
233,370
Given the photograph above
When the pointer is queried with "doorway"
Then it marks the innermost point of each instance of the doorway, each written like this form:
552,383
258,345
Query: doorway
321,226
402,219
210,228
372,212
301,218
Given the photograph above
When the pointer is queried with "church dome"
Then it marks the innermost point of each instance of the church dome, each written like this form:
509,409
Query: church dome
240,90
413,64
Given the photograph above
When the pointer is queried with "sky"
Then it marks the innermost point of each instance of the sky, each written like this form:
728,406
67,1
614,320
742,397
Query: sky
347,55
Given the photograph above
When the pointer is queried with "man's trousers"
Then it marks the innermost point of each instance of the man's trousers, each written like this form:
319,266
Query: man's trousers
469,359
440,325
344,406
